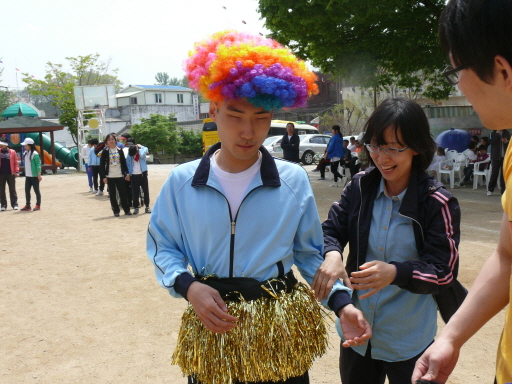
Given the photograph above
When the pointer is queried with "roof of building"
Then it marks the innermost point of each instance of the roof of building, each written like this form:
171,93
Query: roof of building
168,87
14,109
127,94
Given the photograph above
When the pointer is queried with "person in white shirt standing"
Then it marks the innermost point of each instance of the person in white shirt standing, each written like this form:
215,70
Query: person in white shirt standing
138,171
86,149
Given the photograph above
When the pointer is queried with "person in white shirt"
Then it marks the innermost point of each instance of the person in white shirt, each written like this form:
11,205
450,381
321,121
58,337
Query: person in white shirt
86,149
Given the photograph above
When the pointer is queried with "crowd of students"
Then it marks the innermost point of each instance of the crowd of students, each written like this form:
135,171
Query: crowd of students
121,166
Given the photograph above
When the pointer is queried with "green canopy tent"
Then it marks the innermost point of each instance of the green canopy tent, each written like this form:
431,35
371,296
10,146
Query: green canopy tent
19,108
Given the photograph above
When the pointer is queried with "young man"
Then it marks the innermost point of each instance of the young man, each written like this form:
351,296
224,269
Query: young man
9,171
248,320
477,35
94,165
499,145
290,144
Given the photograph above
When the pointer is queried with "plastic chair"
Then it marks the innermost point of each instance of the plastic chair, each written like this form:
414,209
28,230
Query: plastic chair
451,154
460,163
446,167
477,173
354,154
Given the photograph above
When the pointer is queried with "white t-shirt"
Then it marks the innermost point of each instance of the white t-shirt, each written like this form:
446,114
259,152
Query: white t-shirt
234,185
136,168
28,165
114,167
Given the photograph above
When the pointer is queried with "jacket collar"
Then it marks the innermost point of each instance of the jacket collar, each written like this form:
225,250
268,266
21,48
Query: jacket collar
421,185
268,171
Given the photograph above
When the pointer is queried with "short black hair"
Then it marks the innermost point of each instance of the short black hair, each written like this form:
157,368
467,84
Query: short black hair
126,135
132,150
94,141
475,31
406,116
472,145
352,138
130,140
482,147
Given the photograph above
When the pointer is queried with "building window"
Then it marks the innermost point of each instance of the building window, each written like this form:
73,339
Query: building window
133,100
158,98
180,98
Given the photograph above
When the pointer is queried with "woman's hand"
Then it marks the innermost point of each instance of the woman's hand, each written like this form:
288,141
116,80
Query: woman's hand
374,276
331,270
356,329
105,180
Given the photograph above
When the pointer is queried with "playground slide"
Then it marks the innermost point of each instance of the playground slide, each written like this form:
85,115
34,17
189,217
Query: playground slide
64,155
47,157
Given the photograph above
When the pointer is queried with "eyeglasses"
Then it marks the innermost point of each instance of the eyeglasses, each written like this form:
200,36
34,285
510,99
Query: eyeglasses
452,74
388,151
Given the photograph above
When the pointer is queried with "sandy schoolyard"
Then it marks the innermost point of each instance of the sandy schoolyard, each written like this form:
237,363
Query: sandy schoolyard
80,303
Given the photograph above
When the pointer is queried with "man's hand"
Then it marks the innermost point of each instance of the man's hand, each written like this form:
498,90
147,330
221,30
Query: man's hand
437,363
39,177
374,275
127,177
355,327
210,308
331,270
105,180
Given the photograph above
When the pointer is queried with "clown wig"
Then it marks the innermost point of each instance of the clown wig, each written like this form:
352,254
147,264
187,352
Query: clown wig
232,65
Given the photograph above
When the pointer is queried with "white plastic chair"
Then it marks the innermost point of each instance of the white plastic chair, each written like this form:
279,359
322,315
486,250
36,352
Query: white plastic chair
446,167
354,154
460,163
451,154
477,173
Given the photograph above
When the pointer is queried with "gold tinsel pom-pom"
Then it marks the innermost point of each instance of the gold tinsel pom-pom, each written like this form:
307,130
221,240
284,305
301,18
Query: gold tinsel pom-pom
275,339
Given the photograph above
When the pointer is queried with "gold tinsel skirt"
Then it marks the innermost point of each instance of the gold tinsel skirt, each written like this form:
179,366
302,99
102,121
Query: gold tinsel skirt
276,338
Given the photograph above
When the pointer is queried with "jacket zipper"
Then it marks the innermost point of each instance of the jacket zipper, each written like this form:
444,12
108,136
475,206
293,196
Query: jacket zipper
233,227
419,225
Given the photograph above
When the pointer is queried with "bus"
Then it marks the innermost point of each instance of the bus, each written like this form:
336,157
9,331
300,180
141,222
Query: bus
277,128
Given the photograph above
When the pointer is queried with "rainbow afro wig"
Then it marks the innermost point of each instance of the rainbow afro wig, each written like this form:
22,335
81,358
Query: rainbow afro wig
233,65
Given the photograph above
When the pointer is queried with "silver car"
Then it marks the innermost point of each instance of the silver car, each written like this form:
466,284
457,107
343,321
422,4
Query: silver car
309,145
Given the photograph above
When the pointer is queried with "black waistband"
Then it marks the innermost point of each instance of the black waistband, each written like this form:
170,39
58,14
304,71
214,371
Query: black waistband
246,288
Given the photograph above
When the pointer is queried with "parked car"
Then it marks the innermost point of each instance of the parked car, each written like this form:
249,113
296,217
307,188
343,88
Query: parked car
309,145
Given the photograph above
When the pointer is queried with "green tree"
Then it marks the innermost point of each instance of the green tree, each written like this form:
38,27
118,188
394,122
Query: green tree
57,86
363,40
5,95
158,133
162,78
191,142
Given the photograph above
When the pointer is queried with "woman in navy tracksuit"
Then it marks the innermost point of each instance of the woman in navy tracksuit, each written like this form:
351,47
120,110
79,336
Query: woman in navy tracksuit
335,153
402,228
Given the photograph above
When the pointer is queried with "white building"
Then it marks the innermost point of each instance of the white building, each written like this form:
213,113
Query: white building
140,101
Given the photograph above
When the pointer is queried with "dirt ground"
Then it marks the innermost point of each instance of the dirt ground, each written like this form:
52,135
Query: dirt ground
80,303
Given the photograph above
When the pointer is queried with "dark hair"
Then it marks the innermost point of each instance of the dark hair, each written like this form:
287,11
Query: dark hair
94,141
32,149
475,31
132,150
293,125
109,136
441,149
475,138
352,138
337,128
406,116
485,139
345,141
130,140
471,145
482,147
126,135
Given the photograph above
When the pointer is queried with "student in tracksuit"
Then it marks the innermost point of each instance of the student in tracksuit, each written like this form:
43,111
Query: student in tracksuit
138,171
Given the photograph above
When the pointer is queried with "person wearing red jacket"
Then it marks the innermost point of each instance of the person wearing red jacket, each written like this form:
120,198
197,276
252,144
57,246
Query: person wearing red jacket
9,170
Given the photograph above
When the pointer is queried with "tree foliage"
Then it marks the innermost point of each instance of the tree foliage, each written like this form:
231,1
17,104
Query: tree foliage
162,78
191,142
57,86
367,41
158,133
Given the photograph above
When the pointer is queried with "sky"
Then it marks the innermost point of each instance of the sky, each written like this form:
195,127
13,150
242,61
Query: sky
140,38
